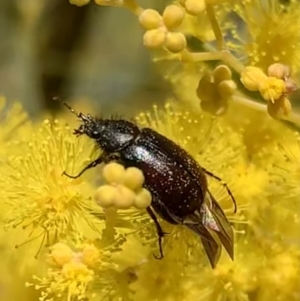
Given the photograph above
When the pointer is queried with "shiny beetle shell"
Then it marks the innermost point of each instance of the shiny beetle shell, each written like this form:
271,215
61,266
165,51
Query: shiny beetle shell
178,184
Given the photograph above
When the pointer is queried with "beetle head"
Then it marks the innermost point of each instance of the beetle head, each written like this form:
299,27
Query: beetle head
88,126
111,135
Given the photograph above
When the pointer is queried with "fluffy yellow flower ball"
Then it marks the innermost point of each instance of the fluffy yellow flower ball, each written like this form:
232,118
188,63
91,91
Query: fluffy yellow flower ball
124,188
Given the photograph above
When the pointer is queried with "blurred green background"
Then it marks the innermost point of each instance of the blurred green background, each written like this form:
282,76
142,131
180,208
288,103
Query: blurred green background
91,54
52,48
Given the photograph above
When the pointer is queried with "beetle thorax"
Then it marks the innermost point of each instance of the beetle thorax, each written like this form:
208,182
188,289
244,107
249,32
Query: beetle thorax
114,135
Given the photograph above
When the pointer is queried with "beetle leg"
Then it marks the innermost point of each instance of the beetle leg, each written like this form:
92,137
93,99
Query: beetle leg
90,165
224,185
112,157
104,158
159,231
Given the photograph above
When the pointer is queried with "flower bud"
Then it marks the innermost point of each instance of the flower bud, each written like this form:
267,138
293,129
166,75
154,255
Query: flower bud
60,254
218,107
221,73
143,199
252,77
195,7
113,173
290,86
206,90
90,255
76,270
108,2
79,2
154,38
124,197
105,196
272,88
173,16
281,107
134,178
175,42
150,19
226,88
279,71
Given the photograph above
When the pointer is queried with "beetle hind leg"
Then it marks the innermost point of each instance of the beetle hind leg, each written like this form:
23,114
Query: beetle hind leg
160,233
224,184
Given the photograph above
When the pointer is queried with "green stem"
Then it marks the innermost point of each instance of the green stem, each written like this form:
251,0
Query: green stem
292,117
215,27
109,232
187,56
131,5
250,104
229,59
224,56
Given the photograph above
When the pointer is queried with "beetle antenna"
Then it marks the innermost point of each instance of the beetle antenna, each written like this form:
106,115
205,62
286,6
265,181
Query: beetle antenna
80,115
72,110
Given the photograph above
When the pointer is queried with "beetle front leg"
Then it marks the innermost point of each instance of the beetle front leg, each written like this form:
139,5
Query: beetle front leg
90,165
159,231
113,157
104,158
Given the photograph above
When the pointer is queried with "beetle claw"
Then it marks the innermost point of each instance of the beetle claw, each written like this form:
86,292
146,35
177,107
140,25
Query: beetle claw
161,254
90,165
160,257
69,176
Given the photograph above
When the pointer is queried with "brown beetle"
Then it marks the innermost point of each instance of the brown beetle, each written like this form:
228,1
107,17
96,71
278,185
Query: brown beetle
178,184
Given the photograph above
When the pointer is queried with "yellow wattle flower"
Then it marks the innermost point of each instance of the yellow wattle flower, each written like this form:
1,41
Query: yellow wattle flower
106,252
215,145
71,279
280,273
14,123
279,39
272,89
38,198
230,280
